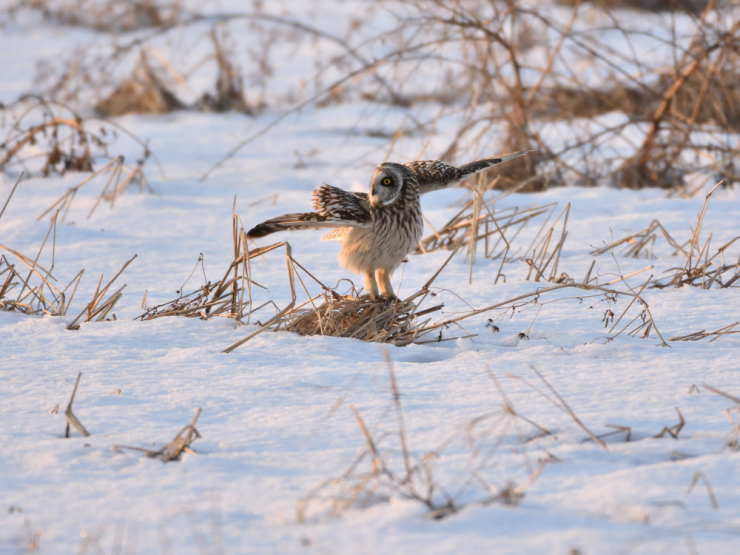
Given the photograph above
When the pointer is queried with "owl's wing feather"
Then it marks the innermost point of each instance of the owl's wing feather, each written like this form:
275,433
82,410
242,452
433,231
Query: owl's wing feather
334,202
434,175
335,208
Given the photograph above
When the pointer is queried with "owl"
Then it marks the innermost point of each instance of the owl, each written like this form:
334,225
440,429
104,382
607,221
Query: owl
378,230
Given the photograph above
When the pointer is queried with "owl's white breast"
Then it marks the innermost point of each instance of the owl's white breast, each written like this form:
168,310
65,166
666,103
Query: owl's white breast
393,235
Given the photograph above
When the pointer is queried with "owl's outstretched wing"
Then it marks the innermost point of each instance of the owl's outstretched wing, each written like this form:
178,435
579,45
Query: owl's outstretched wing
350,206
434,175
335,208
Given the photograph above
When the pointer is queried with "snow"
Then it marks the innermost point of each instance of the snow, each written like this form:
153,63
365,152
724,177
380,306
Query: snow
277,416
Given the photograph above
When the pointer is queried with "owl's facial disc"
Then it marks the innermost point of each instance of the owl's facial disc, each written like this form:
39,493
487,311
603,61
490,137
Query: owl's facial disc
385,186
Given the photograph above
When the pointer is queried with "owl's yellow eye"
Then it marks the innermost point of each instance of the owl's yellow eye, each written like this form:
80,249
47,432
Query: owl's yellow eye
387,181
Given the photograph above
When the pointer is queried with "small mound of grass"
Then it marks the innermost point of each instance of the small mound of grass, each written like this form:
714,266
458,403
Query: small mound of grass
360,317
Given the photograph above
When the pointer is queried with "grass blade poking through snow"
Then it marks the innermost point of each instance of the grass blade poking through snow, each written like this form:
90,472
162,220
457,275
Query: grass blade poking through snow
180,443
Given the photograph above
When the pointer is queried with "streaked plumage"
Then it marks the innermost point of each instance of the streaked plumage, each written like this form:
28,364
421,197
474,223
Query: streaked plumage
379,229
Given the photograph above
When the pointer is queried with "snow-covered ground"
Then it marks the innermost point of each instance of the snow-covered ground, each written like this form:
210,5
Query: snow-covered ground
277,414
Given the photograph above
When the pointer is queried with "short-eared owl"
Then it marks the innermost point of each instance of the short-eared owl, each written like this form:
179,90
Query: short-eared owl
378,230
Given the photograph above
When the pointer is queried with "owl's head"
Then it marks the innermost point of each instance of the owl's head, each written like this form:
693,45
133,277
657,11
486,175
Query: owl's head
387,183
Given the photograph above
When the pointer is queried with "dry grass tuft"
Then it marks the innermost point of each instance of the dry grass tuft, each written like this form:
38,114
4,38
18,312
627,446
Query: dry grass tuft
478,224
108,16
399,322
359,317
513,76
355,316
174,449
703,334
47,137
145,92
97,309
699,269
674,430
224,298
499,93
148,90
29,538
36,292
37,295
229,92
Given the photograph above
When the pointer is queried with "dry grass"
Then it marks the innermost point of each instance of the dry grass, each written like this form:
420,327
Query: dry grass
672,431
145,92
503,95
478,224
387,467
229,92
359,317
224,298
34,293
99,307
400,323
47,137
700,269
107,16
514,76
703,334
29,539
642,243
329,313
174,449
120,178
734,442
150,89
71,418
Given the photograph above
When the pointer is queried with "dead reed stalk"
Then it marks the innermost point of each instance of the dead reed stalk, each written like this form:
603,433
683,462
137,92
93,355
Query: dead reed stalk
702,334
71,418
734,442
174,449
97,310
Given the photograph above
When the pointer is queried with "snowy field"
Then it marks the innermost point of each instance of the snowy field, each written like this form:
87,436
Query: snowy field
278,414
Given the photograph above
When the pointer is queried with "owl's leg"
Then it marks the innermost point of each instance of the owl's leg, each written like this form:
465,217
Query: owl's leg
386,289
371,286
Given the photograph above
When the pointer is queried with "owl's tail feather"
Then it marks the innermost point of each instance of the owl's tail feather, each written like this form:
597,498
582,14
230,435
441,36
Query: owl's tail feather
292,222
480,165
